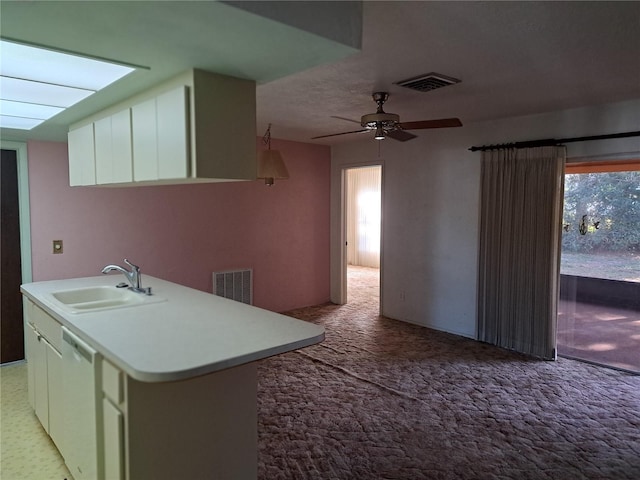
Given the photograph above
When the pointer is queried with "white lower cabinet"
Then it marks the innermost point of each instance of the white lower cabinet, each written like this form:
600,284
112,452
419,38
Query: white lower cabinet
44,365
30,341
113,422
37,366
113,430
55,391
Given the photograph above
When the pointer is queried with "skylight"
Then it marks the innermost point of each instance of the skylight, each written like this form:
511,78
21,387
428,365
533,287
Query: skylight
36,83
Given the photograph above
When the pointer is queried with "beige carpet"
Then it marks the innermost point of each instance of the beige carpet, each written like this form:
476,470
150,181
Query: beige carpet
381,399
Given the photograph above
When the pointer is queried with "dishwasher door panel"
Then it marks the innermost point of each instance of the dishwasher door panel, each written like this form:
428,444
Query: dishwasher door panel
80,445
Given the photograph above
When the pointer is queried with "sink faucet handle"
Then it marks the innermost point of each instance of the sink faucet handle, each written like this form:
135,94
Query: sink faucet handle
134,276
134,267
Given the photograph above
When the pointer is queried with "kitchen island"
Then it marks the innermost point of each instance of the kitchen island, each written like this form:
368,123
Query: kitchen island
175,377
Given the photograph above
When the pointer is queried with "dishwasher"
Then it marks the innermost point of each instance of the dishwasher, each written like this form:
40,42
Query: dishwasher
80,365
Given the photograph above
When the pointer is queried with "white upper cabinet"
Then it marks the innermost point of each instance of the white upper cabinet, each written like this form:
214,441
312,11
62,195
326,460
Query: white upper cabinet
82,161
113,156
104,150
173,134
145,146
160,137
197,127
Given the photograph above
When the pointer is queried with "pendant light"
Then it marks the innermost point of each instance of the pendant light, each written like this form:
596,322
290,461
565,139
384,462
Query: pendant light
270,163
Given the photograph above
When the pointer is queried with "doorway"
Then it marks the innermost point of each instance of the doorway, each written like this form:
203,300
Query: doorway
363,222
17,268
599,308
11,331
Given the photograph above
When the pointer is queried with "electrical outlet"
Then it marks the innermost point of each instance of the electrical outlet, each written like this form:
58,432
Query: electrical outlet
57,246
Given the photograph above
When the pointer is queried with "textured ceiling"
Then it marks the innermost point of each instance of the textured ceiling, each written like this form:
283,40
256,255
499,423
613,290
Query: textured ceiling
514,58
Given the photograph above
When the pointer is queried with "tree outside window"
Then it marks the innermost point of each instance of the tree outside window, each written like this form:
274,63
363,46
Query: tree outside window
601,235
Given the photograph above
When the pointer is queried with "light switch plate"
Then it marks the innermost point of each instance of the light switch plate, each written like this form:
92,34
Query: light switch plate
57,246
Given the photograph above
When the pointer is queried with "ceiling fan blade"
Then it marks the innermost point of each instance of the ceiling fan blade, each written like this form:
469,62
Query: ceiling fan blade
343,133
440,123
347,119
400,135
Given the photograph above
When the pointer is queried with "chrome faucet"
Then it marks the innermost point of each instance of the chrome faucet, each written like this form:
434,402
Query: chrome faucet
133,277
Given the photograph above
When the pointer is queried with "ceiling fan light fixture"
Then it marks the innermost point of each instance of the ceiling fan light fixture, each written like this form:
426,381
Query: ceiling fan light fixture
379,133
388,124
374,120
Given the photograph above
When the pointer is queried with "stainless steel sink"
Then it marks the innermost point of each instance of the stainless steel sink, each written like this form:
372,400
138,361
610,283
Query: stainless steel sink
93,299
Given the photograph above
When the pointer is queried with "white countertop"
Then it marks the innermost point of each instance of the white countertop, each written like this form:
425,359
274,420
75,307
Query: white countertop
191,333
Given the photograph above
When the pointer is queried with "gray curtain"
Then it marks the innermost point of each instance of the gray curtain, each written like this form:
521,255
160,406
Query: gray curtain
363,216
519,256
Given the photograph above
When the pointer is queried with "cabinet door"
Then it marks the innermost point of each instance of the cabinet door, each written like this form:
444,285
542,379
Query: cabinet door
31,344
104,151
145,141
113,149
56,403
113,429
81,407
173,139
48,327
160,137
41,380
121,146
82,166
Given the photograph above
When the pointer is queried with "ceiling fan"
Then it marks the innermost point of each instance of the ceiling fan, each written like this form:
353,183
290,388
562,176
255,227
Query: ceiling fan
388,124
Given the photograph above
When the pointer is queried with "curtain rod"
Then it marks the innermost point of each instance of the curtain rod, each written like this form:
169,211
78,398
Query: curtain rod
549,142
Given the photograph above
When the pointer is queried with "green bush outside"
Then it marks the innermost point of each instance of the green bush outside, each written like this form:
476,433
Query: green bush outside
611,203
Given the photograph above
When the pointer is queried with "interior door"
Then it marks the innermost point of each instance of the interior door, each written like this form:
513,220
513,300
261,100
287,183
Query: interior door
11,327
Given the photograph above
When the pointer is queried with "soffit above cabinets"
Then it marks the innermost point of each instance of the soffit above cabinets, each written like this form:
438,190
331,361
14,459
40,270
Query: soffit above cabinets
169,37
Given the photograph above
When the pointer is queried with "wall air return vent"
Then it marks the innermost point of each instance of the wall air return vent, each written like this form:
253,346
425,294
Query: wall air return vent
428,82
236,285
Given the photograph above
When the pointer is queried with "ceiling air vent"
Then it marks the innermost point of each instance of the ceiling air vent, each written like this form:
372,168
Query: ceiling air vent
430,81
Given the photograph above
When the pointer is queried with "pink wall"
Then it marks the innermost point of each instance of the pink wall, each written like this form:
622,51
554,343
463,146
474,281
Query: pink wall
184,233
